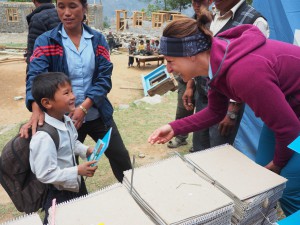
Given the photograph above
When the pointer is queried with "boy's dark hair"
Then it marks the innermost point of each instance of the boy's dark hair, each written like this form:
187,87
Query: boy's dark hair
46,84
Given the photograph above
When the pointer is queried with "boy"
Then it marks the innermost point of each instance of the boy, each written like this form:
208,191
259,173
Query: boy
53,93
131,51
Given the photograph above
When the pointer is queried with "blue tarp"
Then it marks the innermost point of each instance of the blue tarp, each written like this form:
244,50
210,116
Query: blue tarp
283,17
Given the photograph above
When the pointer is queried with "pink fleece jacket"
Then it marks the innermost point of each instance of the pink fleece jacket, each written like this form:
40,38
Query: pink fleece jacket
263,73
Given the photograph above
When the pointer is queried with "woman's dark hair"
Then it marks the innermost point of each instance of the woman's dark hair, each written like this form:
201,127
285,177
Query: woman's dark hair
84,3
187,26
45,85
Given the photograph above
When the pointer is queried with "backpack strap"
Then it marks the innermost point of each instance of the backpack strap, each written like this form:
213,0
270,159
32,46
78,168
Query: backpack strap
52,132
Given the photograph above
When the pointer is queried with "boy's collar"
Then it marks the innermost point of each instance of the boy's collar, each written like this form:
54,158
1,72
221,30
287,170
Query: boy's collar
60,125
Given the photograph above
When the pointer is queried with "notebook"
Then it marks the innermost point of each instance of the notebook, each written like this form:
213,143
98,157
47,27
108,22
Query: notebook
32,219
172,193
100,148
254,189
111,205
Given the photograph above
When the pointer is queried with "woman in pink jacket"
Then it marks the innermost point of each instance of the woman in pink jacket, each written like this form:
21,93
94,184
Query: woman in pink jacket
245,66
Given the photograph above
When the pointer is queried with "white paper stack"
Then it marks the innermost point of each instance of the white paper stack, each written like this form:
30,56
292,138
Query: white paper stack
112,205
254,189
32,219
173,194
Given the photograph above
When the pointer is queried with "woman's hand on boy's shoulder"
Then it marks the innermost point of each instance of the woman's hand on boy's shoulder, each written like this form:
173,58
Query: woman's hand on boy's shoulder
37,119
86,169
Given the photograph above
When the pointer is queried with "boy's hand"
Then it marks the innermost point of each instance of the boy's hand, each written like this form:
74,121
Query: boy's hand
89,151
85,169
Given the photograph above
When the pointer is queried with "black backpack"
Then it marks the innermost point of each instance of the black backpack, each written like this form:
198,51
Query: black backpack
26,192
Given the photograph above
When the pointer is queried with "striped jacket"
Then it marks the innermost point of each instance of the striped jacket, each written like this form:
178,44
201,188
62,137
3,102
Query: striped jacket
49,56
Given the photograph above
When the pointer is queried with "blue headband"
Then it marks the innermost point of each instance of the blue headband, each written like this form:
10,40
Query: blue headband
183,47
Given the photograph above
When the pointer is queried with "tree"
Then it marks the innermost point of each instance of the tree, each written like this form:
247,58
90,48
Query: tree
155,5
179,4
106,23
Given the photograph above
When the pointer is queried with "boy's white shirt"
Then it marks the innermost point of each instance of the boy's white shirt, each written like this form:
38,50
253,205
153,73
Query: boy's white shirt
54,166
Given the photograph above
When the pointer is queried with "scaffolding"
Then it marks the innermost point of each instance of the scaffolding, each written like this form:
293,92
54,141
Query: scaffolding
158,19
178,16
169,14
138,18
121,19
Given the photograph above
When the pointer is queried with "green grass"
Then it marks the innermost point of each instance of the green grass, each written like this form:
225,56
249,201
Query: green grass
135,125
14,45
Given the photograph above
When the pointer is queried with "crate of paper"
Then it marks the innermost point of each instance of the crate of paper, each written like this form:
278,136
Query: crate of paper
159,81
172,194
254,189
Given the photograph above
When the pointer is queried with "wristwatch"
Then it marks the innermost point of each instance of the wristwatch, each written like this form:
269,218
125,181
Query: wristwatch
232,115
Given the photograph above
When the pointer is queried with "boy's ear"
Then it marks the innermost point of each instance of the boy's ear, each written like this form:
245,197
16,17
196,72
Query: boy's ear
46,103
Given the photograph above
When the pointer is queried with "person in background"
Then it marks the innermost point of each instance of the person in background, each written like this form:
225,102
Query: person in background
43,18
52,166
228,14
270,86
111,41
82,54
184,95
148,49
156,47
141,48
131,52
152,44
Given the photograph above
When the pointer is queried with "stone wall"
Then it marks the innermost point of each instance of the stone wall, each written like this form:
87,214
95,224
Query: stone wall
95,16
22,10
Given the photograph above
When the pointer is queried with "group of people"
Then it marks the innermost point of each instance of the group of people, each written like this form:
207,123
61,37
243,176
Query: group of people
69,73
150,48
69,77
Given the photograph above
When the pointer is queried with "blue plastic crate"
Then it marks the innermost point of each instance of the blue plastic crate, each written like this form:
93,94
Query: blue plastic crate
154,78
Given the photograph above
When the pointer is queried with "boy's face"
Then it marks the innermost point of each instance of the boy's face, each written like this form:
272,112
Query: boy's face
64,100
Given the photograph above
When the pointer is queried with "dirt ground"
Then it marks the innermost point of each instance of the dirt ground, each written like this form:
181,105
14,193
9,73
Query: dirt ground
127,87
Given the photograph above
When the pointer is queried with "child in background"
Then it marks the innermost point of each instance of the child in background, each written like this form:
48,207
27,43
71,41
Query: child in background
131,51
141,48
148,48
57,167
156,47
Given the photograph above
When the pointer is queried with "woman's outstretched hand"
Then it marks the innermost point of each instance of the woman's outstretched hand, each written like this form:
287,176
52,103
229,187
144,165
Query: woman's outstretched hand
161,135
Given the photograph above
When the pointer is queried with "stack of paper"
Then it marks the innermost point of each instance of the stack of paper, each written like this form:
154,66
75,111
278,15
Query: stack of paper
112,205
32,219
173,194
254,189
